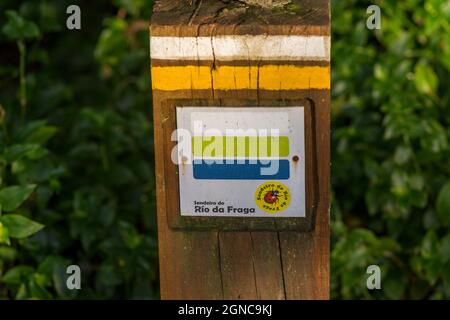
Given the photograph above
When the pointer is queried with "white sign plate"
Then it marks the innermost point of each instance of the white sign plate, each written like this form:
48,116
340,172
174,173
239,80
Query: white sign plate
241,162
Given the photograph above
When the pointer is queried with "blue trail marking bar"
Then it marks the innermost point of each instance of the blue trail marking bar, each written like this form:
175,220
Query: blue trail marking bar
241,170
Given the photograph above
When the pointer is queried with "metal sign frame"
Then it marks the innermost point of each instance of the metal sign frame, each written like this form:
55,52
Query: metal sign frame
183,222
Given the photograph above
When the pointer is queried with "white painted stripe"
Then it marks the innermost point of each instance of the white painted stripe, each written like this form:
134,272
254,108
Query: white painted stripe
242,47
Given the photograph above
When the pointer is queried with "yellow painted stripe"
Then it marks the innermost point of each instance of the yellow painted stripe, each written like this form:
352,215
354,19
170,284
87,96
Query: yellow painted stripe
267,77
244,146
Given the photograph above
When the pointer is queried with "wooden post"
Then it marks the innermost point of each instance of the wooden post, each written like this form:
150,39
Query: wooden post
237,53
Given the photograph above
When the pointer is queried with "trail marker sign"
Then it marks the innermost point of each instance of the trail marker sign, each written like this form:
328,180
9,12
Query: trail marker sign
241,162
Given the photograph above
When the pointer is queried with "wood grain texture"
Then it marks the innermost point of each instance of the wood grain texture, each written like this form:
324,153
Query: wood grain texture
216,17
237,266
215,264
269,279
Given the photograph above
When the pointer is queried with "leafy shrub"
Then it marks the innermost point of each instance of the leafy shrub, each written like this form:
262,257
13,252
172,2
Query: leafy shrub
390,167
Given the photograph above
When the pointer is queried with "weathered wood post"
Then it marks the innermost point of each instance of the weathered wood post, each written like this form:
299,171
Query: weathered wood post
227,230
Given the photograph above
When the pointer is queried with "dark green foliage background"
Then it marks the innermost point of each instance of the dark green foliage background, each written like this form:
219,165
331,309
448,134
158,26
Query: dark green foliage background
83,135
95,192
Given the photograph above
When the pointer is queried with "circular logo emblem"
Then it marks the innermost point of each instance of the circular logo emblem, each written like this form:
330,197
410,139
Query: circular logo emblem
272,197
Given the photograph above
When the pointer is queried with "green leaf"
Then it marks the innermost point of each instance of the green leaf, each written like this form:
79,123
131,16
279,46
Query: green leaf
37,288
4,234
432,262
42,134
54,267
22,292
17,275
394,288
20,227
12,197
17,28
426,79
443,204
36,132
433,268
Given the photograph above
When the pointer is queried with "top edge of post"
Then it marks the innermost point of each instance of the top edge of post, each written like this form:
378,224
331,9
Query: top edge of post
221,17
